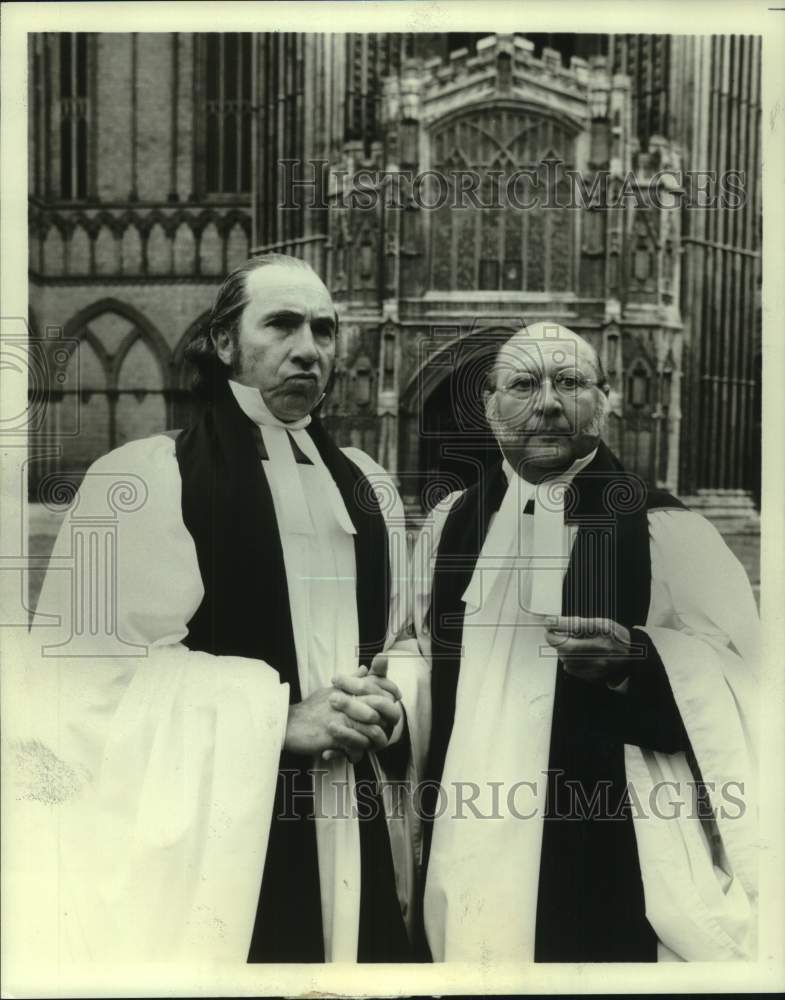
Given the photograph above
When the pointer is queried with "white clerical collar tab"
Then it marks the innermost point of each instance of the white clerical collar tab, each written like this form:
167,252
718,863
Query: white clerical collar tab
550,544
502,540
252,403
282,468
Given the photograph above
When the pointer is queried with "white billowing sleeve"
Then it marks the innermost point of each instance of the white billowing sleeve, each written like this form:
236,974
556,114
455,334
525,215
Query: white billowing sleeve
406,667
143,774
417,643
392,511
700,876
410,670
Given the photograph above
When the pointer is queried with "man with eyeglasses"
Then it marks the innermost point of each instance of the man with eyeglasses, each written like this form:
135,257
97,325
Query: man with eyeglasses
592,646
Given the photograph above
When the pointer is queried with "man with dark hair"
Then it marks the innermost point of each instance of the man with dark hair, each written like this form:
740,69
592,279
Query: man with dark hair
593,646
231,785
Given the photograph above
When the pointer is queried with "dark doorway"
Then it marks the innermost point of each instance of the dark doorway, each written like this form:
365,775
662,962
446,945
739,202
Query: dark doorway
456,444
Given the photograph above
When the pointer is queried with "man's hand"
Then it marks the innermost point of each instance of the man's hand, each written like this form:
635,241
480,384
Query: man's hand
373,683
363,691
324,722
374,689
593,649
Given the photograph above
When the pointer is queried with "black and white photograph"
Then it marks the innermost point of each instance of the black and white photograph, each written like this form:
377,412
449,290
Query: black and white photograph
392,545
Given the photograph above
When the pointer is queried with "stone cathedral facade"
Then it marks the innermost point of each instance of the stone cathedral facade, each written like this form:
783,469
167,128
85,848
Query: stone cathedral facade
157,162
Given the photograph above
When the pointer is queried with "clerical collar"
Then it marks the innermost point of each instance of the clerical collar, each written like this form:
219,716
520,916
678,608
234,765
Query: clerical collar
280,437
251,402
568,474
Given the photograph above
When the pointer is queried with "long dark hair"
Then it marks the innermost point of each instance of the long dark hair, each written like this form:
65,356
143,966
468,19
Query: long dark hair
210,373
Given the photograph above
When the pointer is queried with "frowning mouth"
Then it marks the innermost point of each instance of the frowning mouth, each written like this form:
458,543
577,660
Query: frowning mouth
303,378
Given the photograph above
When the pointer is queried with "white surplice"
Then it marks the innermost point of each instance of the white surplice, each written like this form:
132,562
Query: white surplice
142,786
482,878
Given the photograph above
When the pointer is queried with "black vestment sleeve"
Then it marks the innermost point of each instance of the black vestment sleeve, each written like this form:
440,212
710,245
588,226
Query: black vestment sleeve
394,758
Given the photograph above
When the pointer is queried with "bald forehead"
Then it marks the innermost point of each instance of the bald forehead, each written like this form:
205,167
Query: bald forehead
286,276
545,346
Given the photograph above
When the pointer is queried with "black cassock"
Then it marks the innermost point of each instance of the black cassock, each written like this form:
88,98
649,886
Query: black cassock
228,509
590,905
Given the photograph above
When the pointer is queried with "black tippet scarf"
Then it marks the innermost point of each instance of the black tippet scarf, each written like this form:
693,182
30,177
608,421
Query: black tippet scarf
590,900
228,508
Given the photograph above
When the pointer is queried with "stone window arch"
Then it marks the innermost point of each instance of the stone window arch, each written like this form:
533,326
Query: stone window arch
116,380
487,241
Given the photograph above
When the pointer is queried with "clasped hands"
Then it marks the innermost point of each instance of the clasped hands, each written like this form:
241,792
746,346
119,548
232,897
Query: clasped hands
357,713
596,650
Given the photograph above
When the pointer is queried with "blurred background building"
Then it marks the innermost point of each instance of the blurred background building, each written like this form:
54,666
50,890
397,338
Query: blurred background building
154,168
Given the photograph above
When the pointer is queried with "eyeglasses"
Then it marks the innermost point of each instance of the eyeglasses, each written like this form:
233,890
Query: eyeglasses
567,382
